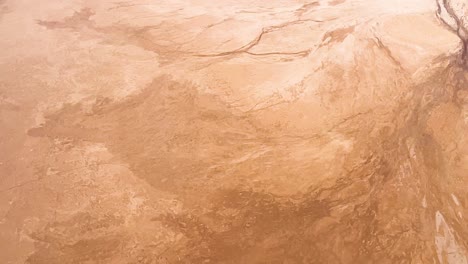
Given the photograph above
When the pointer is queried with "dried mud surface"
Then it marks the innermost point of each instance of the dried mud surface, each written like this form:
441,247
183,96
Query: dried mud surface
227,131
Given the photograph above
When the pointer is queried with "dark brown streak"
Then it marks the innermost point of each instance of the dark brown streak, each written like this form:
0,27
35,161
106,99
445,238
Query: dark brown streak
246,48
387,52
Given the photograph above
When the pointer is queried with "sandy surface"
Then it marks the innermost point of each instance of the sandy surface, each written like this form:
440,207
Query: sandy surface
247,131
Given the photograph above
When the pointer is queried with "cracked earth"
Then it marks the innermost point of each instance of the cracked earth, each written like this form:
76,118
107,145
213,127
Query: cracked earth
247,131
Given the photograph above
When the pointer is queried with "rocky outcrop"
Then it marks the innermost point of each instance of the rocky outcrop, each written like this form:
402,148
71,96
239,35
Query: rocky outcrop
454,13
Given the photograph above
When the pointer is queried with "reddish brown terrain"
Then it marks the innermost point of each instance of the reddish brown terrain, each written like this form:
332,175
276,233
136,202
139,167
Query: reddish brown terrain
222,131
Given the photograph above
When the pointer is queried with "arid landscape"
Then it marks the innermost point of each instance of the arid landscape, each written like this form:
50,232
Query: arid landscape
234,131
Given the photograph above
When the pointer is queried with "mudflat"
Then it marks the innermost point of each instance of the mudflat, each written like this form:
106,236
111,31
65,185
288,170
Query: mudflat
203,131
